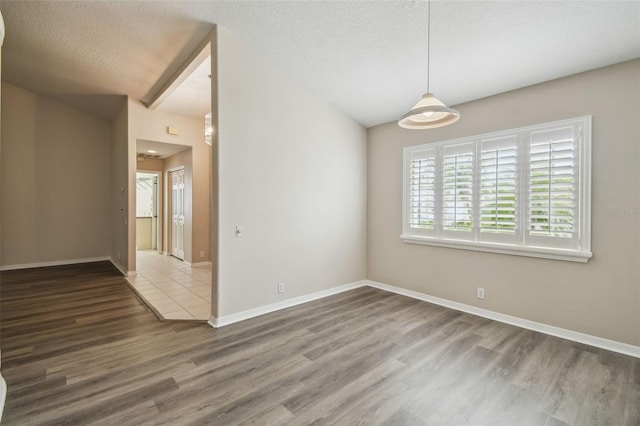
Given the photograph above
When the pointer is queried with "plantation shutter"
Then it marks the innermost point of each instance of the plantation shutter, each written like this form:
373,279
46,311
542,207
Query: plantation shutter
422,191
523,191
553,191
499,189
457,191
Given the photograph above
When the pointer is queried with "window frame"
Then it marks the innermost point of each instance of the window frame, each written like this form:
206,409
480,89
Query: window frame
521,242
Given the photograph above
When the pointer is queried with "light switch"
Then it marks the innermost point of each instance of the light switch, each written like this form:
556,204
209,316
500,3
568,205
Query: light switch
239,231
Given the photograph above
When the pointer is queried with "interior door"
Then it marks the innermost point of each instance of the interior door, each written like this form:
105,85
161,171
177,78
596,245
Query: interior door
177,213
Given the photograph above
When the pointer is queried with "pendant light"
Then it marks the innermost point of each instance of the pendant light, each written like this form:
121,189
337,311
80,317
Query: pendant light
208,129
429,112
1,33
208,126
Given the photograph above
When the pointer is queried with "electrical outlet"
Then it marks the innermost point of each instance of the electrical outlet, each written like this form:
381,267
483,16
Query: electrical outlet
202,253
480,293
280,287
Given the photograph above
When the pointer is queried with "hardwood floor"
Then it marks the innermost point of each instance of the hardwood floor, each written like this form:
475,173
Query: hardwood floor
79,348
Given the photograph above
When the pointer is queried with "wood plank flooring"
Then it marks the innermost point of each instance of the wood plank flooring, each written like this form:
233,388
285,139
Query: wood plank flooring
79,348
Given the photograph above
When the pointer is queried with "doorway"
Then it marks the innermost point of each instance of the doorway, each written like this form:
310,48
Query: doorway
147,209
176,177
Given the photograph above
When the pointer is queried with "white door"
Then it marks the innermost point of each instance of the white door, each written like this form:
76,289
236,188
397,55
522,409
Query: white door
177,213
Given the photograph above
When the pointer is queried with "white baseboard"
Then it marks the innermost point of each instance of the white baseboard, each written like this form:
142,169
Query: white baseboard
564,333
53,263
587,339
196,264
262,310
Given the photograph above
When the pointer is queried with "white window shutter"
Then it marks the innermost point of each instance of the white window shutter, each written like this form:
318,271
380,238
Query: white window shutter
499,189
523,191
458,190
421,207
553,191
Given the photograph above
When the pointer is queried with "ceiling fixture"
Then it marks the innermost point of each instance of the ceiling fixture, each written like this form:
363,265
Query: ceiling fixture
208,129
1,30
429,112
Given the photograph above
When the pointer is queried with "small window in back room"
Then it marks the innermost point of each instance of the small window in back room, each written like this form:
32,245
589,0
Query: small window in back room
144,196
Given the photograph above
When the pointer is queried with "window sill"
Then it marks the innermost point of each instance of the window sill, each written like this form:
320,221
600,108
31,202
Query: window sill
541,252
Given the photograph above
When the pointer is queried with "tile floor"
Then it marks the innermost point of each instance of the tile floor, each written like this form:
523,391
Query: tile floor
171,288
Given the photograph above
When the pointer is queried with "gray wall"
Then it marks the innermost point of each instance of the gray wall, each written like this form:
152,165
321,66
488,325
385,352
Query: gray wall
601,297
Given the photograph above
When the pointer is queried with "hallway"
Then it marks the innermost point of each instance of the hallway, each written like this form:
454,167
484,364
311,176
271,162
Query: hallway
172,289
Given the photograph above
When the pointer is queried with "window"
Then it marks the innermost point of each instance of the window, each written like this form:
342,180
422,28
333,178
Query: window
524,191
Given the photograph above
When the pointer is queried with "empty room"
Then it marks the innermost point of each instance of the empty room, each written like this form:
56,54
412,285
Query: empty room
320,212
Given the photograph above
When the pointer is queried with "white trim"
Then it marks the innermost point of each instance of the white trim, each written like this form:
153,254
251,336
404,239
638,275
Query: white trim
587,339
262,310
176,168
52,263
551,330
196,264
585,183
540,252
159,204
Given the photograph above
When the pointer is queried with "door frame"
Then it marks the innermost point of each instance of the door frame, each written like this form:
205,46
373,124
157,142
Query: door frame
159,207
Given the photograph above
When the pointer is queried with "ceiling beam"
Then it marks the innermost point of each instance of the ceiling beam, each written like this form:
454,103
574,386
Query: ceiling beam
193,61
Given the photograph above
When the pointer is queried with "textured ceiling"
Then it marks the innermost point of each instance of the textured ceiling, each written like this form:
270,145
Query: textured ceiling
103,106
368,58
159,149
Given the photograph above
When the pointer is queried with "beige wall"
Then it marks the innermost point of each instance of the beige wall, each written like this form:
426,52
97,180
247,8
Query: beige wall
152,125
150,164
602,297
144,233
56,171
292,171
119,189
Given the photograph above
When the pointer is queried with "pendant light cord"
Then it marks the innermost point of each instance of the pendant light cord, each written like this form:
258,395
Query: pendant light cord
428,41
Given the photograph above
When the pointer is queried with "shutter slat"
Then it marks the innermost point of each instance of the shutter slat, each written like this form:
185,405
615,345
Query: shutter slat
422,191
457,186
499,187
551,191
